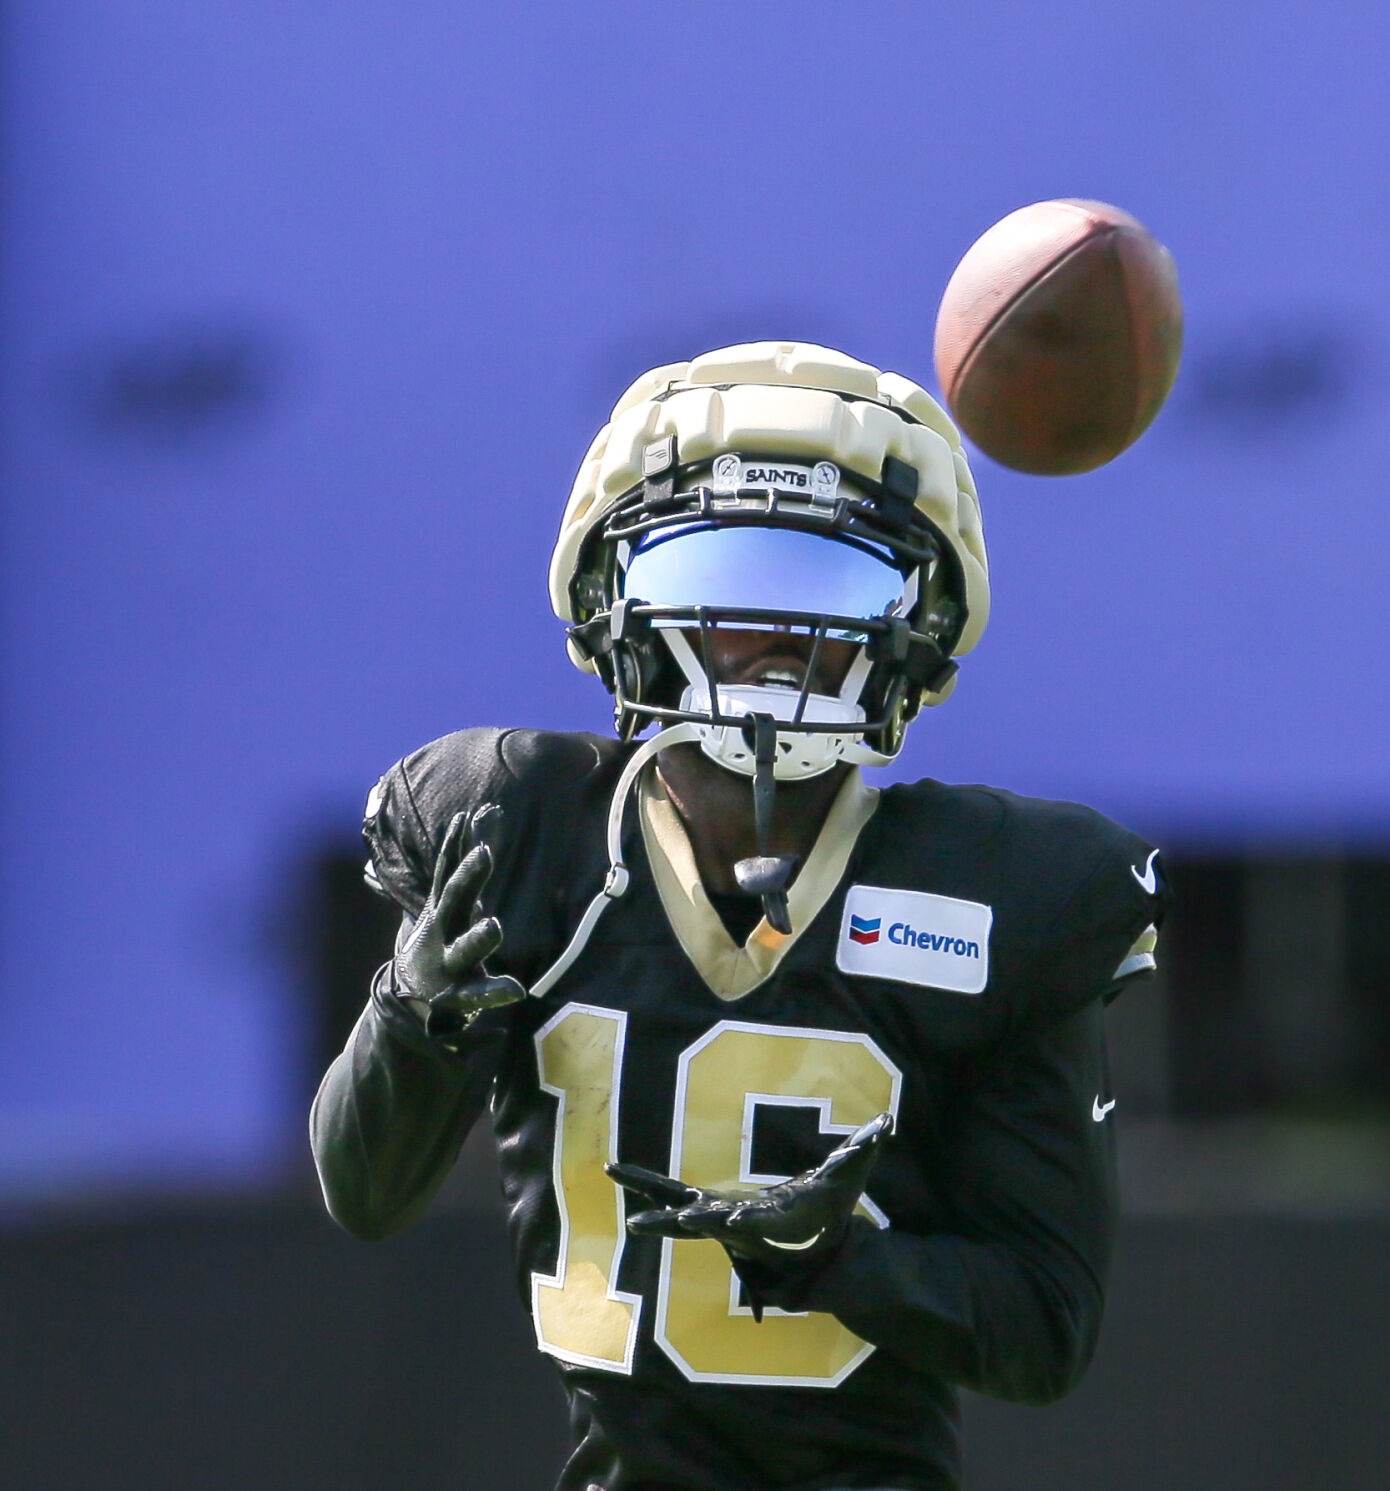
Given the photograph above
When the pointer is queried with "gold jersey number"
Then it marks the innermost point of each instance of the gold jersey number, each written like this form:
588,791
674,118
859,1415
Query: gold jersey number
721,1081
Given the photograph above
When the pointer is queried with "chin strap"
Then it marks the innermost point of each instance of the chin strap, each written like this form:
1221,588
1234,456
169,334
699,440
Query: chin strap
616,883
763,874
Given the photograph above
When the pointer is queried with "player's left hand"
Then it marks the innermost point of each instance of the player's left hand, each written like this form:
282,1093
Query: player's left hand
790,1228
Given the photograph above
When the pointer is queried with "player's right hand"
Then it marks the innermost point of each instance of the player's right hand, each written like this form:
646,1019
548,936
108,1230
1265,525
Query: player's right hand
440,964
777,1236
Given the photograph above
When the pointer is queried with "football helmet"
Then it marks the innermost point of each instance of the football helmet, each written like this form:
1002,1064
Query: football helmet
774,486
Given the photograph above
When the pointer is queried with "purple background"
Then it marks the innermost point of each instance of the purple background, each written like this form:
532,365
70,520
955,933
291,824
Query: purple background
310,311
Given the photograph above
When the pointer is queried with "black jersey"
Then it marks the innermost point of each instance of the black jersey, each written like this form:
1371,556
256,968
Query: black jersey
951,949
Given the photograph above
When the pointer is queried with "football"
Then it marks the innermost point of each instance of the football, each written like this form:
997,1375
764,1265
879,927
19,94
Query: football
1059,335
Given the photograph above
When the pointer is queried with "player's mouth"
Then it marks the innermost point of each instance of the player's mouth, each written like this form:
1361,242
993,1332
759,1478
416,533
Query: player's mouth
780,662
777,671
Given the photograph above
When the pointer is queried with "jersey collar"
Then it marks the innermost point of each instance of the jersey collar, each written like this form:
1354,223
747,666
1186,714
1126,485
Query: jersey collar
731,971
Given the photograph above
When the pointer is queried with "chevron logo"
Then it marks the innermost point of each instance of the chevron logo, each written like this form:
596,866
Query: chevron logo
864,929
915,937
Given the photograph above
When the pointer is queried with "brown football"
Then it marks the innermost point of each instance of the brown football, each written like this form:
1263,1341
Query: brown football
1059,336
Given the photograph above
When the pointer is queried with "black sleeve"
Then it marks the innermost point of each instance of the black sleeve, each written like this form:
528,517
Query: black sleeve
392,1113
1008,1302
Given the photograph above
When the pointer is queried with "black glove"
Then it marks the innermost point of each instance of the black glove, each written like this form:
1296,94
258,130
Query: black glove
779,1237
441,963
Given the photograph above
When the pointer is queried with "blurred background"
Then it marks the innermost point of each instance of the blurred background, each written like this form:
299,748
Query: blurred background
309,312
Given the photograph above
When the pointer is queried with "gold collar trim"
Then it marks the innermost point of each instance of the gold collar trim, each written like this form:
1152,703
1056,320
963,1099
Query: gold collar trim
729,970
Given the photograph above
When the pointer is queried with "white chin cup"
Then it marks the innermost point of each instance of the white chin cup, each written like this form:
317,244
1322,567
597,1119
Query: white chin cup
798,755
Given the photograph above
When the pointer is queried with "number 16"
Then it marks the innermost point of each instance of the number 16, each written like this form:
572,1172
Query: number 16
721,1080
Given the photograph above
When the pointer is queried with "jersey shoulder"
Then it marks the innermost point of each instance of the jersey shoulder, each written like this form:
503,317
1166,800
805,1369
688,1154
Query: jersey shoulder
539,778
1066,838
1076,898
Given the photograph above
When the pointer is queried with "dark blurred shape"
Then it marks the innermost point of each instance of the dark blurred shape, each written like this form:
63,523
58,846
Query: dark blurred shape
1211,1031
1273,371
1296,936
172,384
259,1347
1276,968
1366,970
1238,1354
347,934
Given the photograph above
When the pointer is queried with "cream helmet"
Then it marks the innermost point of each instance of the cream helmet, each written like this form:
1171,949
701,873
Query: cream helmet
774,484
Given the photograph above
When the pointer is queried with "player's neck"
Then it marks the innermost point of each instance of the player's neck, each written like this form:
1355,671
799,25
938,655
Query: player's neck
716,808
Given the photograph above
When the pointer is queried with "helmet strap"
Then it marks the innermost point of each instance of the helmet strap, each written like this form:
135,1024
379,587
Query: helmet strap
616,883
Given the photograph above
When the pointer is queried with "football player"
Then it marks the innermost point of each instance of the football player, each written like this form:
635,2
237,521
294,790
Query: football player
799,1084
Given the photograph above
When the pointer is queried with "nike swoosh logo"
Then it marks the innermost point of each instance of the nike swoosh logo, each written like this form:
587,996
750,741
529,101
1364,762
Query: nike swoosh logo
1099,1109
1148,881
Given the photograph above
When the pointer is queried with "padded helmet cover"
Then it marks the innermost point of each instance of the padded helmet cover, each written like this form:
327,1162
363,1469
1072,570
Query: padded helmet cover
792,400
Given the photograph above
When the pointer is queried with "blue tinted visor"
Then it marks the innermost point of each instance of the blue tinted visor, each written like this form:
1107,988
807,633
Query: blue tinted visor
763,569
